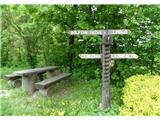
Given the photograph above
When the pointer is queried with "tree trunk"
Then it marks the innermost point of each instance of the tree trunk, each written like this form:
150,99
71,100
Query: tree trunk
70,54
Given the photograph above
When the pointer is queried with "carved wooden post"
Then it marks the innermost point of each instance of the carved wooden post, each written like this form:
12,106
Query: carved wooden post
106,58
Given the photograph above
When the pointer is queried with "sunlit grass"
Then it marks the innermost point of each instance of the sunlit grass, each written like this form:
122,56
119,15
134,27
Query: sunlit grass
69,98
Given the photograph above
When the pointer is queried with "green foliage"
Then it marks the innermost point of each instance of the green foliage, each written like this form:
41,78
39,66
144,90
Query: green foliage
5,84
37,35
141,96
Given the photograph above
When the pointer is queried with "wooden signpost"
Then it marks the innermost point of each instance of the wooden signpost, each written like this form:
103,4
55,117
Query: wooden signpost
98,32
106,58
113,56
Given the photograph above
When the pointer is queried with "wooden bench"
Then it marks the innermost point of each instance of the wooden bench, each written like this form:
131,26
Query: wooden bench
44,85
11,77
14,79
30,76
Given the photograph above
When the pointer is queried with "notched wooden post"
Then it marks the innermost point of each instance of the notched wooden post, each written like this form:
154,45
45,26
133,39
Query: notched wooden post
106,58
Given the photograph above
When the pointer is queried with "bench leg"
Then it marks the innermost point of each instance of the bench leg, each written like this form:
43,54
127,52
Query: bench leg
46,92
28,83
15,83
40,77
52,73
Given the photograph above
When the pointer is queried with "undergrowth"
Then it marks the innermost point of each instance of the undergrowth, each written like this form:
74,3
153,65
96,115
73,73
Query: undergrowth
69,98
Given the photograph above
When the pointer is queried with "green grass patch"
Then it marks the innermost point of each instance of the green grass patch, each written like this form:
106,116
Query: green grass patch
140,96
69,98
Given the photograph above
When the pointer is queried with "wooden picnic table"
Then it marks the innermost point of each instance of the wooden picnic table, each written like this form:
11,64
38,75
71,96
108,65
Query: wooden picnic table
30,76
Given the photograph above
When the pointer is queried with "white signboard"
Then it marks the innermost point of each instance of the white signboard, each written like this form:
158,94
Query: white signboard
90,56
98,32
113,56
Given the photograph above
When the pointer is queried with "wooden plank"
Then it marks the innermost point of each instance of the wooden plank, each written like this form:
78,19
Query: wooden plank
90,56
99,32
11,77
52,73
36,70
46,92
113,56
124,56
46,83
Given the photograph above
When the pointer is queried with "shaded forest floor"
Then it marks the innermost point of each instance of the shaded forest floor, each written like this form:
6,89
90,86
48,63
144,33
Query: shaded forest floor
74,97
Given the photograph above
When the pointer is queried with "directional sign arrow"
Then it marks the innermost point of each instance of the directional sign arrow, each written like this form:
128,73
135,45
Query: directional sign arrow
98,32
113,56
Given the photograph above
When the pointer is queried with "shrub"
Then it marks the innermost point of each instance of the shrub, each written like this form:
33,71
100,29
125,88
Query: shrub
141,96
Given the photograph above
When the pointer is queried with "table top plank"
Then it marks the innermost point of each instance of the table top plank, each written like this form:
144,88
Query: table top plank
36,70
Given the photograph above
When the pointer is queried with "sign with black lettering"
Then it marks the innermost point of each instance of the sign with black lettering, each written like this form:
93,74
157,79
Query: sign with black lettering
99,32
113,56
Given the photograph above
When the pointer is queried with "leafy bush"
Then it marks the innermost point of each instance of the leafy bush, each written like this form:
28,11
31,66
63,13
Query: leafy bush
141,96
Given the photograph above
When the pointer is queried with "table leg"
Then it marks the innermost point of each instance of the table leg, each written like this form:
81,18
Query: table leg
52,73
46,92
15,83
28,82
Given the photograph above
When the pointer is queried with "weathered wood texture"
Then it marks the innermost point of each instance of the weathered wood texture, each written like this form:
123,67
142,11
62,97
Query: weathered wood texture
30,76
16,83
113,56
99,32
52,73
36,70
28,82
11,77
46,83
106,58
46,92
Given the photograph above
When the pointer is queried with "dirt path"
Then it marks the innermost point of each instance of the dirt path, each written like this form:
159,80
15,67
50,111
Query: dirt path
5,93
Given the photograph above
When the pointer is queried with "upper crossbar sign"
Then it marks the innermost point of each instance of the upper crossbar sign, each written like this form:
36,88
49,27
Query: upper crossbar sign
99,32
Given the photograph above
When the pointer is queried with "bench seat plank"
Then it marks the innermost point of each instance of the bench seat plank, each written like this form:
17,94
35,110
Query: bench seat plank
46,83
36,70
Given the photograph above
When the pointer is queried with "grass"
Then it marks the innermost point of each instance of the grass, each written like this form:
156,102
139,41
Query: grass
75,97
70,98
